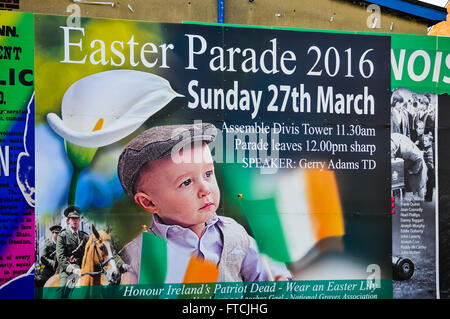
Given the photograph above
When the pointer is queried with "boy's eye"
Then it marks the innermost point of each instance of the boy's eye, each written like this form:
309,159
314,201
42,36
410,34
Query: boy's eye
209,173
186,183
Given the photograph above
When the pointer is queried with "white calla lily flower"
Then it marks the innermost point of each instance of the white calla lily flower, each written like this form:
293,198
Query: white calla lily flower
105,107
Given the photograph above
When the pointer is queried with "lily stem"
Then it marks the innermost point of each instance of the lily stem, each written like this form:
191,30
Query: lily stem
73,186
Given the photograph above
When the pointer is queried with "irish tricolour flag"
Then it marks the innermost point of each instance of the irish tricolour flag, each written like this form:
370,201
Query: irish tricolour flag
153,265
297,209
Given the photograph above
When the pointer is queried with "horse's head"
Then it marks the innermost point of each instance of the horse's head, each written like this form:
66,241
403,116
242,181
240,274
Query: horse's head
103,255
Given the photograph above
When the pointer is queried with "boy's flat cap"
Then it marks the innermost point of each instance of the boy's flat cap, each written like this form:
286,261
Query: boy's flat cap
157,143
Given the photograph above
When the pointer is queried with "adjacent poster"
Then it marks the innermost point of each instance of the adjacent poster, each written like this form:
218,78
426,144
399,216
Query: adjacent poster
17,189
418,81
169,161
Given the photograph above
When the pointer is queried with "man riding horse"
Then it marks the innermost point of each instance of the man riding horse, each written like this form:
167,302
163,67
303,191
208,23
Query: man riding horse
48,258
70,248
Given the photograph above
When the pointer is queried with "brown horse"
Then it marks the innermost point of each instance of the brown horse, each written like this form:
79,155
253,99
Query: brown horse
98,266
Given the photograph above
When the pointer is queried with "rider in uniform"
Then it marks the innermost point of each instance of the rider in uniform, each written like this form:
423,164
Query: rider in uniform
48,258
70,246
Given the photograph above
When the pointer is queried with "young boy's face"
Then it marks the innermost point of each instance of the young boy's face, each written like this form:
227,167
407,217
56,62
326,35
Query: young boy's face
184,194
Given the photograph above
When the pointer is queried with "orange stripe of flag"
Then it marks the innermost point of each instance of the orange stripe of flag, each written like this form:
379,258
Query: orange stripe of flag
200,270
324,204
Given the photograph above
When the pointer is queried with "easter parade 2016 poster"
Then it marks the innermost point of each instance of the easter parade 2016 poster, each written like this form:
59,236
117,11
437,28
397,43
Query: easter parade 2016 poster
300,159
172,161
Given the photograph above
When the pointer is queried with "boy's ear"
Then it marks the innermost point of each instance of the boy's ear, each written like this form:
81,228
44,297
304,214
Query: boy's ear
143,200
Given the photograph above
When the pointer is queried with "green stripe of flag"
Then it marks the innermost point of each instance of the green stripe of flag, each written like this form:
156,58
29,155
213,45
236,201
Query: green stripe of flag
262,216
153,260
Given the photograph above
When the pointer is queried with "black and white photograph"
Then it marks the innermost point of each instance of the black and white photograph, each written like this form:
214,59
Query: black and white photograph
413,154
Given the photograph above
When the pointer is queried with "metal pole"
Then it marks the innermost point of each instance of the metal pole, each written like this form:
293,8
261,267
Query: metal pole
95,2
